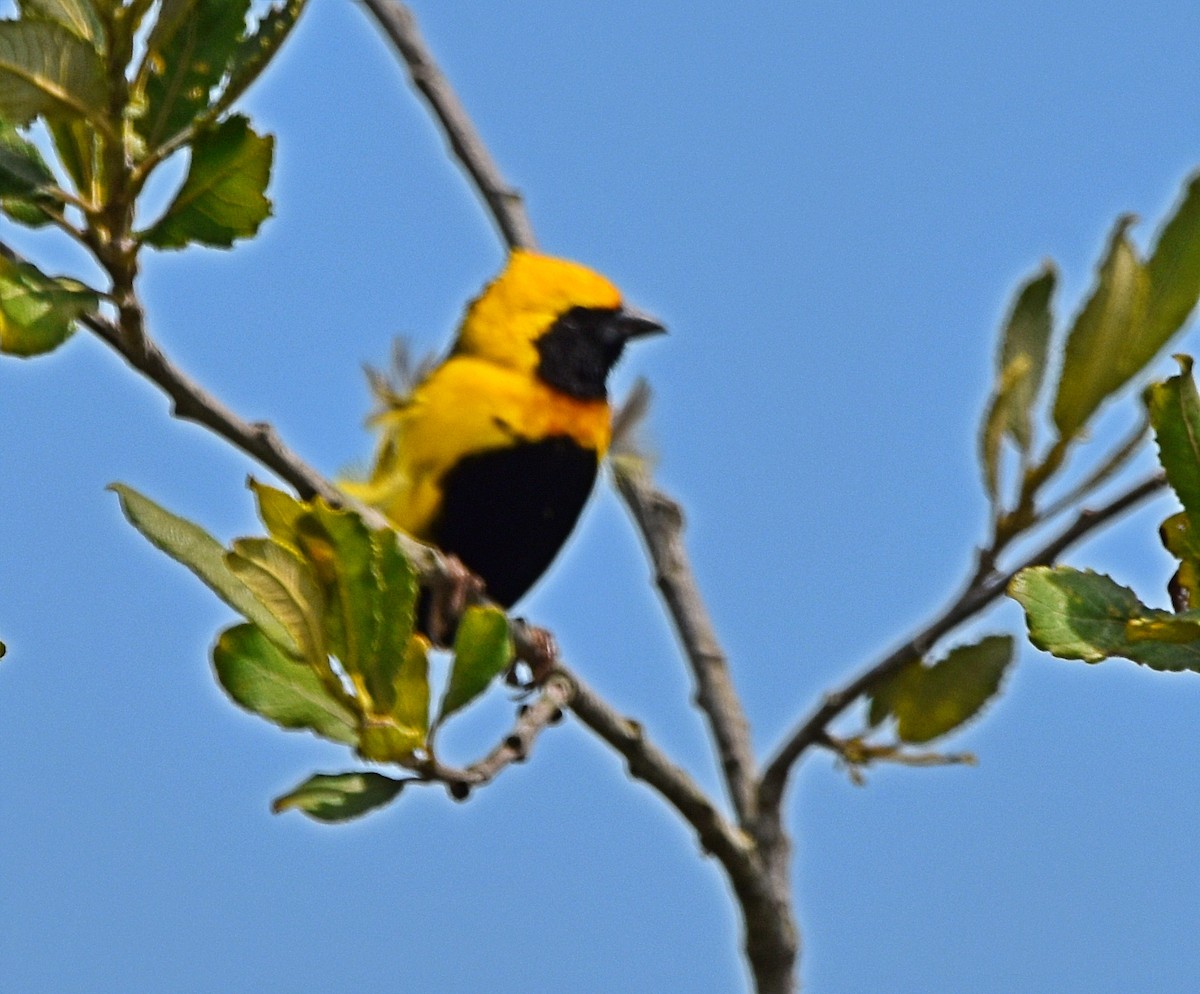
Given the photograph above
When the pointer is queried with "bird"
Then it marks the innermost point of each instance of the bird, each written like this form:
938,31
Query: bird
493,453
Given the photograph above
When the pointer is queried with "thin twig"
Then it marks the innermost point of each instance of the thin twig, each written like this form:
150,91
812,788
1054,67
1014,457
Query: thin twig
646,762
1103,472
504,204
660,522
977,596
856,754
515,747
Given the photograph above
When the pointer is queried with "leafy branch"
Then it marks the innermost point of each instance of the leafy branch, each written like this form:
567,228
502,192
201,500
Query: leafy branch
979,594
327,596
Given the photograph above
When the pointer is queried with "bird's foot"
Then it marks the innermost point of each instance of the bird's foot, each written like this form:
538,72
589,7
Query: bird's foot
449,594
537,655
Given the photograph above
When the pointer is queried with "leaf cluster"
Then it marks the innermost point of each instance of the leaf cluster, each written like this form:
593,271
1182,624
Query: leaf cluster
1080,614
1133,310
1135,307
329,642
114,88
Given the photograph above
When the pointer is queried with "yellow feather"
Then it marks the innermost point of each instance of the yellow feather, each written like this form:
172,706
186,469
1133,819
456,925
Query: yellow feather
484,396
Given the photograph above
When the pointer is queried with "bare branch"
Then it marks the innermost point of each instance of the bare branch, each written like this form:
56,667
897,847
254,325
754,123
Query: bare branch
660,521
504,203
648,764
561,690
192,403
979,594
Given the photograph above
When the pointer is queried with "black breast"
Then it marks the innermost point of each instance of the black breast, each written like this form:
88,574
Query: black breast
506,513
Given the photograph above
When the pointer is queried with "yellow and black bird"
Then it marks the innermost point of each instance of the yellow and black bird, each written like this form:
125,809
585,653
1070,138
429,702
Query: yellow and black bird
492,455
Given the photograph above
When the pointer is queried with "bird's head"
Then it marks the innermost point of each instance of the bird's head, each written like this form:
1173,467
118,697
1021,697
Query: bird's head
555,319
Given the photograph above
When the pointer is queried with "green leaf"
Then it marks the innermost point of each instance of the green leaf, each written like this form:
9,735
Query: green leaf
1085,615
77,16
24,178
38,312
23,171
284,584
191,545
339,796
1025,342
78,148
1134,311
1020,368
278,510
396,679
338,545
1184,544
47,70
1174,270
410,703
187,53
223,195
998,420
482,650
930,701
261,678
170,17
1174,408
381,740
1107,344
257,48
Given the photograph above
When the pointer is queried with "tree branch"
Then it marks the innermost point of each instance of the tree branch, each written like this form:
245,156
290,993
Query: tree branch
562,689
644,760
504,203
190,402
259,440
979,594
756,857
546,710
650,765
660,522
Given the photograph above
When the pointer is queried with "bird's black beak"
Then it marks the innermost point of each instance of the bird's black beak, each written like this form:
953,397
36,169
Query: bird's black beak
632,323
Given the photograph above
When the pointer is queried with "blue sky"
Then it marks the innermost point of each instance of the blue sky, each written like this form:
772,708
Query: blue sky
829,205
